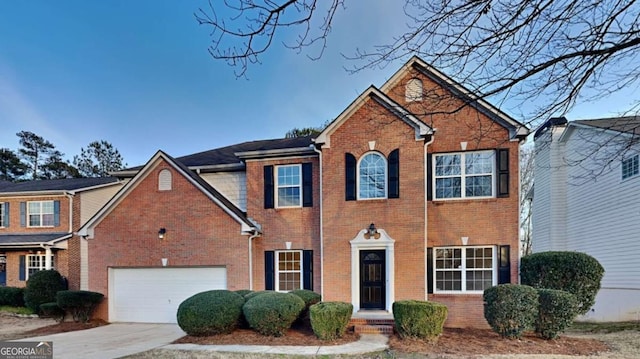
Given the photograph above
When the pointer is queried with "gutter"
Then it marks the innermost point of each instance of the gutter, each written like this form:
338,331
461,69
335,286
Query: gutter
276,153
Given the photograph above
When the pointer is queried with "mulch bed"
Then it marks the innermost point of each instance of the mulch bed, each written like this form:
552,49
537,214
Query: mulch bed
65,327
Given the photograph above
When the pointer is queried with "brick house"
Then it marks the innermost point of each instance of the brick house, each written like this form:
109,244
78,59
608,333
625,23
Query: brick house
37,220
410,193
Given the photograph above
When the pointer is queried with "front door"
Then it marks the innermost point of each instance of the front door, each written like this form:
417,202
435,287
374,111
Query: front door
372,279
3,270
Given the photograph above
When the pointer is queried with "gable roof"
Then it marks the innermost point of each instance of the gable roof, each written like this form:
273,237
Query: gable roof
230,157
421,129
627,124
516,128
57,185
226,205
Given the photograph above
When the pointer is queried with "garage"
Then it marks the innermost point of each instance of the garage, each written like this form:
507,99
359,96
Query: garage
152,295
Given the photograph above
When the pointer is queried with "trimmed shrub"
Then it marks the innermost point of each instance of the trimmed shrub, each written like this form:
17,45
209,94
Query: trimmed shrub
329,320
42,287
419,319
255,294
243,292
211,312
556,312
574,272
12,296
272,313
310,298
80,303
510,309
52,310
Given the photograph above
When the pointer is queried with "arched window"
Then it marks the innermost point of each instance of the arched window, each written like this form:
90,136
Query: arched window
413,90
372,176
164,180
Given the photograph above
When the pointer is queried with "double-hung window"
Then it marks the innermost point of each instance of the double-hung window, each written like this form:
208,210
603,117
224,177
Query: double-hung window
289,186
4,217
372,176
37,262
40,214
464,175
630,167
464,269
288,270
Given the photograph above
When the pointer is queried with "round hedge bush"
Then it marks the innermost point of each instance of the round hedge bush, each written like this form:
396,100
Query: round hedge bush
211,312
243,292
419,319
577,273
510,309
272,313
255,294
12,296
42,287
329,320
556,312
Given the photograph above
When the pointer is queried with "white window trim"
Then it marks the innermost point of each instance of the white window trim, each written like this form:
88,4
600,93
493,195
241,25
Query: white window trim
41,267
277,269
631,158
28,219
463,176
463,278
386,177
277,186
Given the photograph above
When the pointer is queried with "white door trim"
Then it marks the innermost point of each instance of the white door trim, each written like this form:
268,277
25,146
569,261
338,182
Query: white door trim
363,242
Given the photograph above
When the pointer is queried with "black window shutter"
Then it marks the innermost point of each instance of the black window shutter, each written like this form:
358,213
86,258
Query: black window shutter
23,214
504,265
350,177
307,185
503,172
307,269
23,268
429,178
430,270
56,214
394,174
269,270
6,214
268,187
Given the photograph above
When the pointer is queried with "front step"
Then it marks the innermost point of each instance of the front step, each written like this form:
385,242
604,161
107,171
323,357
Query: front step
372,326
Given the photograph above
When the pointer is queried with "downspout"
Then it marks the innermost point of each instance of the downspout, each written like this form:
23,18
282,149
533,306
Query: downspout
321,226
426,225
255,234
70,196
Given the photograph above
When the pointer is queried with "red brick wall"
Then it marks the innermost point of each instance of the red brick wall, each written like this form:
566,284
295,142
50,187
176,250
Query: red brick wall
485,221
300,226
14,215
199,233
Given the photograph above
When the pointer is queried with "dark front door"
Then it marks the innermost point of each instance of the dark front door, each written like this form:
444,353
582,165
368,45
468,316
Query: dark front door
372,279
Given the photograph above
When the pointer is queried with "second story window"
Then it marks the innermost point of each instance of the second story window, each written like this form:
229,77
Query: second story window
288,184
4,214
40,214
630,167
372,176
464,175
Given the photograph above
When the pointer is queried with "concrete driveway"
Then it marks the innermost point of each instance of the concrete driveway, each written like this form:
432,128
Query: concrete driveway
111,341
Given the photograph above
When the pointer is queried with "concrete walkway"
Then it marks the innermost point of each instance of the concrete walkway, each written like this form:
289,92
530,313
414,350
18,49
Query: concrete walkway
368,343
110,341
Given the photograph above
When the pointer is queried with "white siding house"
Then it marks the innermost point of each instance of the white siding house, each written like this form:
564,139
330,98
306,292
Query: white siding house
587,199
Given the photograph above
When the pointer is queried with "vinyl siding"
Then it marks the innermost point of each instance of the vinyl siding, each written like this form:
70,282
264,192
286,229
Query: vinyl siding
91,201
232,185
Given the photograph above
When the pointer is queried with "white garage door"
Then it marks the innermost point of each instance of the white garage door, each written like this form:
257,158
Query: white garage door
152,295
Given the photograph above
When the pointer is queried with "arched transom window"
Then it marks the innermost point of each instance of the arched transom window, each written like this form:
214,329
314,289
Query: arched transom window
372,176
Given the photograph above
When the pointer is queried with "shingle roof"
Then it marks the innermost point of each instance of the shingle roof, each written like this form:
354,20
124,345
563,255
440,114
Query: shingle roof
226,155
67,184
628,124
13,239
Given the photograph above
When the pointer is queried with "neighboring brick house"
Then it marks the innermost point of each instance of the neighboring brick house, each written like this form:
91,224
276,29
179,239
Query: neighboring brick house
400,197
586,199
37,220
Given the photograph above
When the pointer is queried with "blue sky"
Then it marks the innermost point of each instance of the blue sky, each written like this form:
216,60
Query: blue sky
137,74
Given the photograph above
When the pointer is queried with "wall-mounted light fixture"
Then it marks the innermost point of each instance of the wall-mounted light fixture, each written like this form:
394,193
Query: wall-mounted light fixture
162,232
372,231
